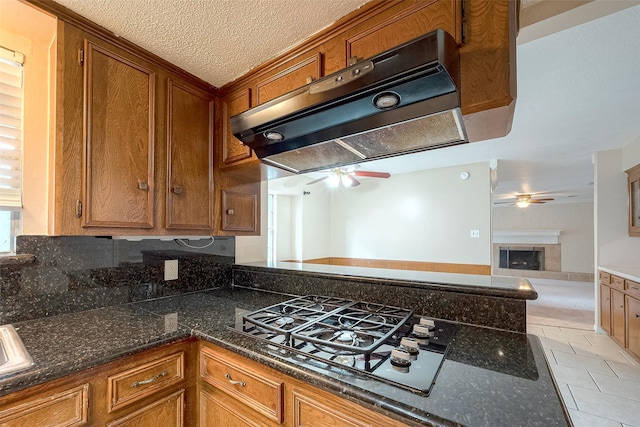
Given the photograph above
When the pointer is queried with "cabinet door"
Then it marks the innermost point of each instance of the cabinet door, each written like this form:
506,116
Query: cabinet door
215,412
423,17
232,149
240,211
605,308
165,412
617,317
119,120
189,158
633,325
310,412
633,179
67,408
294,77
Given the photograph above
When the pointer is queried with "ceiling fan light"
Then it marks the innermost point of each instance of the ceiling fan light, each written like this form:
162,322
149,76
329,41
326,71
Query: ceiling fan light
346,180
522,203
334,180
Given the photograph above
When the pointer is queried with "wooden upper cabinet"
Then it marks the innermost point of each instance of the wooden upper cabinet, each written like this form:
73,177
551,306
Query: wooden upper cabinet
232,149
240,210
633,182
189,158
414,21
301,72
119,121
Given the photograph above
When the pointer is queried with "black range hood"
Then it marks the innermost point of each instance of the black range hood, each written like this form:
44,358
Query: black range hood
401,101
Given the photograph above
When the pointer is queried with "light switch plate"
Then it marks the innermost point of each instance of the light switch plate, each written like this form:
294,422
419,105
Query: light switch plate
475,234
171,269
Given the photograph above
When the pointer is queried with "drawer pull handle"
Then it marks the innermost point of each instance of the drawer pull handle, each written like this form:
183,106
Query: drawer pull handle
240,383
150,380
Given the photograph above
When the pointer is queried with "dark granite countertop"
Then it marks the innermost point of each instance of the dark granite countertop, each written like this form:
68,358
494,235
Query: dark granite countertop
501,286
489,378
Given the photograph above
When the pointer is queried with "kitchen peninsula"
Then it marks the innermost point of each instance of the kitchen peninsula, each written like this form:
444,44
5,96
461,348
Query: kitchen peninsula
489,376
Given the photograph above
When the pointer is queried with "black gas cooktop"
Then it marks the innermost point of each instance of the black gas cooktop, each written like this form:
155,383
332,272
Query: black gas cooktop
385,342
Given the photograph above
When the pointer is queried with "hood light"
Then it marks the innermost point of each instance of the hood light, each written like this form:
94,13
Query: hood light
273,136
386,100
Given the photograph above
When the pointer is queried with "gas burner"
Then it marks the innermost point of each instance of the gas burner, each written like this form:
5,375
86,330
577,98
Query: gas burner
346,337
384,342
361,320
283,321
345,360
340,341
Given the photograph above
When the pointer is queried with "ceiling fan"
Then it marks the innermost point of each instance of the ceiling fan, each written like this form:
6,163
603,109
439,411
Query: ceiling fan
345,176
524,200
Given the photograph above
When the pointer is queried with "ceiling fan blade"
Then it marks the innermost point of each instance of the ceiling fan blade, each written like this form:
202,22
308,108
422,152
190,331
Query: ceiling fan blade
545,200
318,180
538,201
503,203
372,174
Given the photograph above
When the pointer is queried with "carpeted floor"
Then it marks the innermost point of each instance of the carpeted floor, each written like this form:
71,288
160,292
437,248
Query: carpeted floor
562,303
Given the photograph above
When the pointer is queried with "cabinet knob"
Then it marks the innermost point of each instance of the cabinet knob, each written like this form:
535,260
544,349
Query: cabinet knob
230,212
310,79
177,190
637,316
143,186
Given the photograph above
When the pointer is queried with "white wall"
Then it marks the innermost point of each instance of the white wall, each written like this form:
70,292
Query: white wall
613,244
316,222
421,216
285,228
33,33
575,220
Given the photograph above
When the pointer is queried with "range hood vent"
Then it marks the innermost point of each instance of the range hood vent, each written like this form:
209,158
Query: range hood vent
401,101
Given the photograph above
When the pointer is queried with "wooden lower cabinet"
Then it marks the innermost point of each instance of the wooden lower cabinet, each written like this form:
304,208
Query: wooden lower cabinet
165,412
633,324
148,389
605,308
617,317
620,311
64,408
238,392
219,410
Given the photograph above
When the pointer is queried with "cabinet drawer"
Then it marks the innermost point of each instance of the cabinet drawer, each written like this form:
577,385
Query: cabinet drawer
254,389
67,408
617,283
129,386
632,288
605,278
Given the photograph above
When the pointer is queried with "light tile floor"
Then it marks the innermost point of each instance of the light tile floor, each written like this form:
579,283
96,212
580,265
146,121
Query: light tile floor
599,382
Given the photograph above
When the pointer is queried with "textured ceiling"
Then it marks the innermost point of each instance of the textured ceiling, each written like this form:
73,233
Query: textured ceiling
216,40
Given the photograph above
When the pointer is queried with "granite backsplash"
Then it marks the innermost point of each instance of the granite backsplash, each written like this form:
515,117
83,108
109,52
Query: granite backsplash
452,304
70,274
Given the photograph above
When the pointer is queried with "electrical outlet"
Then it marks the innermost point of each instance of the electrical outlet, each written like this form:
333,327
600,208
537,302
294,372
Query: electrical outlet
170,322
171,269
475,234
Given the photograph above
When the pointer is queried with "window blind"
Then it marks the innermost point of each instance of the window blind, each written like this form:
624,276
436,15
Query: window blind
11,106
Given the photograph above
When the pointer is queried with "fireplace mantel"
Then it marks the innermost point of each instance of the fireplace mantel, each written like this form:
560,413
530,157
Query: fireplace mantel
548,237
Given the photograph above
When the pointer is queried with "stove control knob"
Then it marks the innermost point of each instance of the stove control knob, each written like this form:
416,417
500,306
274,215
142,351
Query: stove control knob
400,357
422,331
428,323
410,344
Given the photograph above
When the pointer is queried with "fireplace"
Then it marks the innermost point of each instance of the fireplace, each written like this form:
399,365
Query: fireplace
522,258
